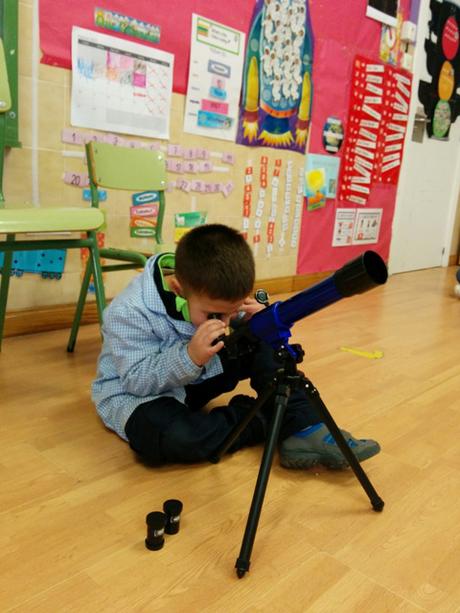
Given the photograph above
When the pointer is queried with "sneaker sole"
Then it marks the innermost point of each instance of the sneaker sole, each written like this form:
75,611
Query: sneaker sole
309,461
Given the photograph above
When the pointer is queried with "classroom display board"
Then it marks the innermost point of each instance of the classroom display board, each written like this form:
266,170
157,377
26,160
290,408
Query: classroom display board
169,24
336,95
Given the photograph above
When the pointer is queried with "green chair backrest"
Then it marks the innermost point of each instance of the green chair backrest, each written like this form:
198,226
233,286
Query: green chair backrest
124,168
5,93
136,170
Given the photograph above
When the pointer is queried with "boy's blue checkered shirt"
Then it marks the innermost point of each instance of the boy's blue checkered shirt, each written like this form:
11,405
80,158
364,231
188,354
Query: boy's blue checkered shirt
144,354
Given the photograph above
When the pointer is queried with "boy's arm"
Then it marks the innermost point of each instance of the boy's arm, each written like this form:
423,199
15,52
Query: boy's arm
143,367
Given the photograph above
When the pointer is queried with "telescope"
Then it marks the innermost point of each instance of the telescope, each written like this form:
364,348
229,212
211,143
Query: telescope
273,324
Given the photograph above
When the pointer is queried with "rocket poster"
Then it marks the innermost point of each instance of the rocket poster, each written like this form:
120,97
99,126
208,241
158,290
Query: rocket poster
277,85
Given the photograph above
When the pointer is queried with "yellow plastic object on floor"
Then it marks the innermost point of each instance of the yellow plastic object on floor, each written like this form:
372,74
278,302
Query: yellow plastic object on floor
371,355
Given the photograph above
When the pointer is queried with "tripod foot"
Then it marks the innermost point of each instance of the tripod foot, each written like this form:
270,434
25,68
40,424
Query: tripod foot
378,504
242,566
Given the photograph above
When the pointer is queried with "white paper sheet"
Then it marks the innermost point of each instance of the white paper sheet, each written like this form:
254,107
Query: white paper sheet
356,227
214,83
120,86
367,226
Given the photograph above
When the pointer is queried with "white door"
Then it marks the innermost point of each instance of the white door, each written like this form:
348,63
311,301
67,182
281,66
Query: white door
428,186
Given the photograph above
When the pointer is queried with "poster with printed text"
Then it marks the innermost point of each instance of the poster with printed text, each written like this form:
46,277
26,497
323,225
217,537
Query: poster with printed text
376,127
356,227
214,84
120,86
367,226
344,226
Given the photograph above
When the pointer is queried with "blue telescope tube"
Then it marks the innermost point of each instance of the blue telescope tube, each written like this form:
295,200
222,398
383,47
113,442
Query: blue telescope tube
357,276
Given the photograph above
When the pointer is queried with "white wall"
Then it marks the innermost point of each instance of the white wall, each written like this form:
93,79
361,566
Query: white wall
429,185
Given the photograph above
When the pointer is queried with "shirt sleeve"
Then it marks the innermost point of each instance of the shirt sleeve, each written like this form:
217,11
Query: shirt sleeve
145,364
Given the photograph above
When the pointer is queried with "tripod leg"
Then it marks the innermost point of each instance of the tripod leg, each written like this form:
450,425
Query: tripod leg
243,561
233,435
313,394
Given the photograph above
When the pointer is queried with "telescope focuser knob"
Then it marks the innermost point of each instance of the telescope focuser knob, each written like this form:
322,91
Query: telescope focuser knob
300,353
262,297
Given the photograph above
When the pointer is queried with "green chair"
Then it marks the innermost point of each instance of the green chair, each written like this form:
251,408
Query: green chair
49,220
121,168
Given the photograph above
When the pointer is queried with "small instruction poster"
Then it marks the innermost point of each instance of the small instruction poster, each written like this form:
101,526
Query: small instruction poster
214,84
343,227
367,226
356,227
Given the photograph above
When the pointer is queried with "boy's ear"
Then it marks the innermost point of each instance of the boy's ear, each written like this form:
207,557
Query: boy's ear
181,302
174,285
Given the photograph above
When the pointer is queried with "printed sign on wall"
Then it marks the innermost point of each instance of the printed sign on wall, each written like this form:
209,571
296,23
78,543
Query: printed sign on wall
214,81
120,86
379,106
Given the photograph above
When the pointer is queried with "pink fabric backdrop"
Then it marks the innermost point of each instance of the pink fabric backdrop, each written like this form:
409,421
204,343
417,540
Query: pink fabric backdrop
341,30
173,16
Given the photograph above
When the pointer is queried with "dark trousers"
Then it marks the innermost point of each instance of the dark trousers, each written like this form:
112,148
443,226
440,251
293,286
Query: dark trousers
165,430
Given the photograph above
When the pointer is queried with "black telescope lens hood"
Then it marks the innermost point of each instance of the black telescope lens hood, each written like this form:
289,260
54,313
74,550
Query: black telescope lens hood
361,274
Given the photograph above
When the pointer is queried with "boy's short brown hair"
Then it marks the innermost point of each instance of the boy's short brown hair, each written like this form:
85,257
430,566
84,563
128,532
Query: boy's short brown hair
215,260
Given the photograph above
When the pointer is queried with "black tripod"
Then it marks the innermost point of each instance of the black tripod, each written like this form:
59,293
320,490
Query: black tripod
285,380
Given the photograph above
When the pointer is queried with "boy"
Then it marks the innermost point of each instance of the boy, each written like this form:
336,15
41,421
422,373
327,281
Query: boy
163,360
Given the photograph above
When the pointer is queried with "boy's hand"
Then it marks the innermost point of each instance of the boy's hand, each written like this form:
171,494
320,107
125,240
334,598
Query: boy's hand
201,348
250,306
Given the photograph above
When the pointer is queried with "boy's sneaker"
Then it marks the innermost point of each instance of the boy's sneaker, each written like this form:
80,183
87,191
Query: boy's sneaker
315,445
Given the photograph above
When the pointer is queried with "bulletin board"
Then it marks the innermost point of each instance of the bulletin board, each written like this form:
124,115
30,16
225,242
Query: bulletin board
341,32
174,18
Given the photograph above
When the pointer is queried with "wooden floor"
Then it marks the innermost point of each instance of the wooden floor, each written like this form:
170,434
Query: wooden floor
73,499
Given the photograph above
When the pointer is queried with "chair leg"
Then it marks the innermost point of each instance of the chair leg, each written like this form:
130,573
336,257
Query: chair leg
93,266
97,276
4,286
80,307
